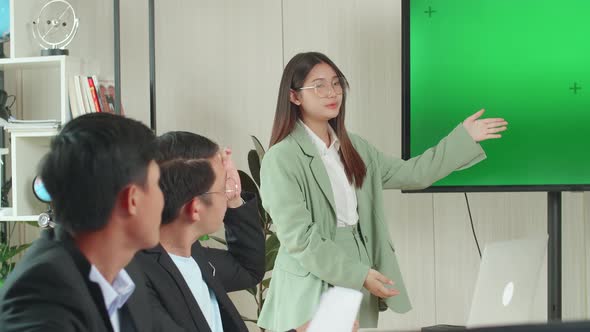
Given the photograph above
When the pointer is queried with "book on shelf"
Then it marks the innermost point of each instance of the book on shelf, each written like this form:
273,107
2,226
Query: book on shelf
106,89
89,94
47,122
27,125
76,105
81,94
93,94
94,80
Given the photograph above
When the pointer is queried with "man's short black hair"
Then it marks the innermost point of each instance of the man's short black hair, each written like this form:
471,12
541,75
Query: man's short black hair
185,169
90,161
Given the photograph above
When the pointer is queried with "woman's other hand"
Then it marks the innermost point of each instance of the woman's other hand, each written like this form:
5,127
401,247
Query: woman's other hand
375,283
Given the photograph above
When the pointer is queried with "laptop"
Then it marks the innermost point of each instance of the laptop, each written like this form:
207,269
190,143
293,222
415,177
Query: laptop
507,283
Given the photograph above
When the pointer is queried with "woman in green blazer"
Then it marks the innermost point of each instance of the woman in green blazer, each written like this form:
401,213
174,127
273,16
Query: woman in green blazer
322,186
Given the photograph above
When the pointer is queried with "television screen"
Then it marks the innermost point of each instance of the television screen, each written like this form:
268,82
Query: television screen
527,61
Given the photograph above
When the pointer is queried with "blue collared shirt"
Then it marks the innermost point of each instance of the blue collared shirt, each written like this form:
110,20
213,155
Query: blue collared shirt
115,295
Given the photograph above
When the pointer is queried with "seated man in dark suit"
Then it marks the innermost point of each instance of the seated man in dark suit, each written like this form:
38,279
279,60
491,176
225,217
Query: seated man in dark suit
103,182
201,190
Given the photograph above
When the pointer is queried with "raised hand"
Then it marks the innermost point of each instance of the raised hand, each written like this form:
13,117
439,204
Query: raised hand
234,198
483,129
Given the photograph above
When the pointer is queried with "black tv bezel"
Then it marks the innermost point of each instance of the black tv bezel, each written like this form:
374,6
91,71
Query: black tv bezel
406,132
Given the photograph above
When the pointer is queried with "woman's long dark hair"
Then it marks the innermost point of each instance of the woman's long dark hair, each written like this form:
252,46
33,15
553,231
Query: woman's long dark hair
287,113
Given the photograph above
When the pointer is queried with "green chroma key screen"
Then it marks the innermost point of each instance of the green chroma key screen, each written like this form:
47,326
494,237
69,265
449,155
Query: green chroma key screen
527,61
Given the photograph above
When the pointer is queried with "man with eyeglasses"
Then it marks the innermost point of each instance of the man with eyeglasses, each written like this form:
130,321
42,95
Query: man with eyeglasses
202,191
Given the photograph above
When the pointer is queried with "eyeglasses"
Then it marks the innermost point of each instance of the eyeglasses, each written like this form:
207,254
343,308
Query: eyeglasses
323,88
230,188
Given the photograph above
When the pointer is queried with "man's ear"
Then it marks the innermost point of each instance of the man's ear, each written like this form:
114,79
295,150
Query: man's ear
294,97
193,209
129,199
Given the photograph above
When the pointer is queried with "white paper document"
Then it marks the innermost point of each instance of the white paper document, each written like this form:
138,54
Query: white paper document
337,311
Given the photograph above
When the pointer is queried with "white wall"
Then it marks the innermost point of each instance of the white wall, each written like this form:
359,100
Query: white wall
218,69
218,66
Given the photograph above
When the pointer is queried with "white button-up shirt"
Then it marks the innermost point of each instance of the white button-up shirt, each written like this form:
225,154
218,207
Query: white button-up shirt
114,295
343,191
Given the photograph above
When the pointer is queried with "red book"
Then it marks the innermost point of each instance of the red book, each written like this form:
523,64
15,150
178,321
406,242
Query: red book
94,94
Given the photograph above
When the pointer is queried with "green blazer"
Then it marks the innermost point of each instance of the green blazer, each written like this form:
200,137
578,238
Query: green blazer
296,192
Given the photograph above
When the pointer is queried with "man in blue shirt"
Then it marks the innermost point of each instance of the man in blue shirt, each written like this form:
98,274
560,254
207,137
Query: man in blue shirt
202,192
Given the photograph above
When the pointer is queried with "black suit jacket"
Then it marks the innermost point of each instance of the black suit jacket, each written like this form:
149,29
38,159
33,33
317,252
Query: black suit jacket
49,290
241,266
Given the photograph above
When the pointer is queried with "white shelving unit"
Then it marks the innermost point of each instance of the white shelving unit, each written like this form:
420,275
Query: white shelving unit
19,218
46,91
41,85
28,147
43,95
